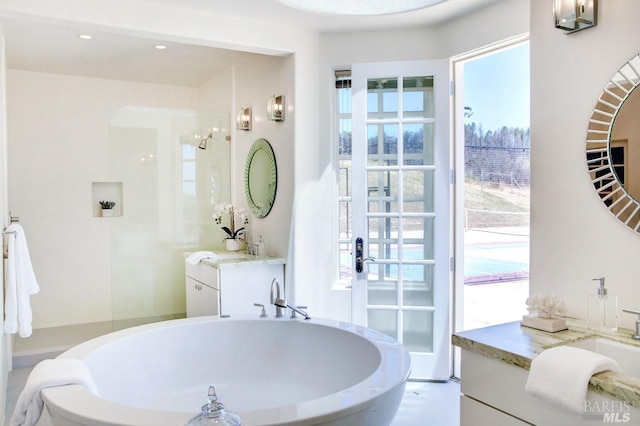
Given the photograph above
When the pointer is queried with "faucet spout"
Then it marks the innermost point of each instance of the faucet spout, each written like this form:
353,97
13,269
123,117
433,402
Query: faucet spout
273,298
636,312
284,304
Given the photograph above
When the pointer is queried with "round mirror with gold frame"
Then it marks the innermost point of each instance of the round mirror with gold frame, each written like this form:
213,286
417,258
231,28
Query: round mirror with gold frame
261,178
613,144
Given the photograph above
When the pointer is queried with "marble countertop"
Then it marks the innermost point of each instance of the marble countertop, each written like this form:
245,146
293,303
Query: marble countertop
518,345
241,260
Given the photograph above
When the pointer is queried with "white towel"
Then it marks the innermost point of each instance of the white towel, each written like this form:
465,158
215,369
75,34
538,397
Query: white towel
561,375
20,283
48,373
195,257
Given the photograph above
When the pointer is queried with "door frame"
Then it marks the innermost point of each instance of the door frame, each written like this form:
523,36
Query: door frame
458,219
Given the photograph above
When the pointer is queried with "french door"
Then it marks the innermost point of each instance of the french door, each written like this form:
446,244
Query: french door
401,185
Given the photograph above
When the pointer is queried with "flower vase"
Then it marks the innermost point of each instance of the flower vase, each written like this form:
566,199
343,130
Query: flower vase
232,244
107,212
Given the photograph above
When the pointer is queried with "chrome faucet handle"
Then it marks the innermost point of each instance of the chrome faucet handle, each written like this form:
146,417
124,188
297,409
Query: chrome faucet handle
635,312
293,312
264,312
281,303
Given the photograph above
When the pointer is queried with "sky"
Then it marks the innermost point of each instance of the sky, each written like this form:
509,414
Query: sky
496,87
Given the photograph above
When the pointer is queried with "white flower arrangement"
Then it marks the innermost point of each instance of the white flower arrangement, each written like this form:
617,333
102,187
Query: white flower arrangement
545,305
232,211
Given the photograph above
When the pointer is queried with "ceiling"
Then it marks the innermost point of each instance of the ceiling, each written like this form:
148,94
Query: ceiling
42,47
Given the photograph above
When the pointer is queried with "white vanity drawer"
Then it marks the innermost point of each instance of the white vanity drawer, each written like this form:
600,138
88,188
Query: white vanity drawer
204,273
474,413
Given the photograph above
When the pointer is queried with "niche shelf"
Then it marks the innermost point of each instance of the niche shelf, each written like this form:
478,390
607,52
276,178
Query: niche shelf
109,191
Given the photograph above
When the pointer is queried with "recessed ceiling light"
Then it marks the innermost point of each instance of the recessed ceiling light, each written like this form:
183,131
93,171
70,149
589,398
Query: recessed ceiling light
359,7
160,46
85,36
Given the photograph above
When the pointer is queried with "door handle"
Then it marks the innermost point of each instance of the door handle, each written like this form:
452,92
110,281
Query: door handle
360,259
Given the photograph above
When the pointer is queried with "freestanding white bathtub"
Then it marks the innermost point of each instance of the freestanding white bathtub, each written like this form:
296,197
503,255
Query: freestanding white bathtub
268,371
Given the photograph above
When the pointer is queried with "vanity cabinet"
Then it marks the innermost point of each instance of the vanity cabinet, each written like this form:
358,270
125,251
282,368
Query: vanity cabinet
492,393
499,388
232,286
494,373
202,299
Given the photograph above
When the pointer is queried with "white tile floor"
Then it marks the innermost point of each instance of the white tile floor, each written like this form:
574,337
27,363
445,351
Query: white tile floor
424,403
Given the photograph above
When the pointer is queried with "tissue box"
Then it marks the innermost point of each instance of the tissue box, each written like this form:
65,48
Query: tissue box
545,324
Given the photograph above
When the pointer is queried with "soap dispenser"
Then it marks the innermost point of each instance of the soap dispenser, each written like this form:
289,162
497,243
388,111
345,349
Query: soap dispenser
602,310
260,248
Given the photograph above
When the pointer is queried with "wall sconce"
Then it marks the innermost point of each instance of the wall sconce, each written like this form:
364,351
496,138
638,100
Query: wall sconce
244,118
275,108
575,15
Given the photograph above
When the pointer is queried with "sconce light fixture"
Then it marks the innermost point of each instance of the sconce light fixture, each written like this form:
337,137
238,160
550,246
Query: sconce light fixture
575,15
244,118
275,108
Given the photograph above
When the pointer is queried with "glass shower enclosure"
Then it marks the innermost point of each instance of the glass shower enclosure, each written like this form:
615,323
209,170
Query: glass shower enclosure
169,168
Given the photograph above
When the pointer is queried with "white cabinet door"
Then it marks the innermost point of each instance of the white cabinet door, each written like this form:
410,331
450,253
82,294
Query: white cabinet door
202,300
240,288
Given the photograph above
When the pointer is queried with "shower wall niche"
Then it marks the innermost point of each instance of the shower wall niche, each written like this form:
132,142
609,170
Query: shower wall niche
169,188
107,191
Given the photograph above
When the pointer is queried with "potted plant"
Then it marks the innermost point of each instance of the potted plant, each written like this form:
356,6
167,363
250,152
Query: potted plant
234,236
107,208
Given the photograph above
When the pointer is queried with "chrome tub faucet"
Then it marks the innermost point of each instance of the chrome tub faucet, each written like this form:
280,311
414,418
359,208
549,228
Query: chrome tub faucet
273,298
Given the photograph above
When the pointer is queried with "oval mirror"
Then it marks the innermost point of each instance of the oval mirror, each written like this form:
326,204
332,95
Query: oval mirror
261,178
613,144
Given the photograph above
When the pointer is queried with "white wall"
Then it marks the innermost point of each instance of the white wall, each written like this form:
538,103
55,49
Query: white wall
183,25
574,238
249,84
58,131
501,21
5,341
70,248
255,81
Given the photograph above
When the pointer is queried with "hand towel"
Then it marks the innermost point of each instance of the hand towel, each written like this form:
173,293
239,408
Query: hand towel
20,283
195,257
48,373
561,375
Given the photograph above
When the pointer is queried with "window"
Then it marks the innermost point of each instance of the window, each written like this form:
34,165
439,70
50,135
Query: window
343,88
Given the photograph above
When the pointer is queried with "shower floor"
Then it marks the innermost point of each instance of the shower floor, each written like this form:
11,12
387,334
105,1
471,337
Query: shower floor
50,342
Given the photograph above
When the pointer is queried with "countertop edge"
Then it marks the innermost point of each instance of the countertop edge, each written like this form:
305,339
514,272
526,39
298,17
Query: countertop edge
249,261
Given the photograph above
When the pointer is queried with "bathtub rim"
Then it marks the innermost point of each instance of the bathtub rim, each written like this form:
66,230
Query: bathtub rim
88,407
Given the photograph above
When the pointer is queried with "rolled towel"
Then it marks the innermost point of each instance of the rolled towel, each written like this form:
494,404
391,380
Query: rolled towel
195,257
561,375
49,373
